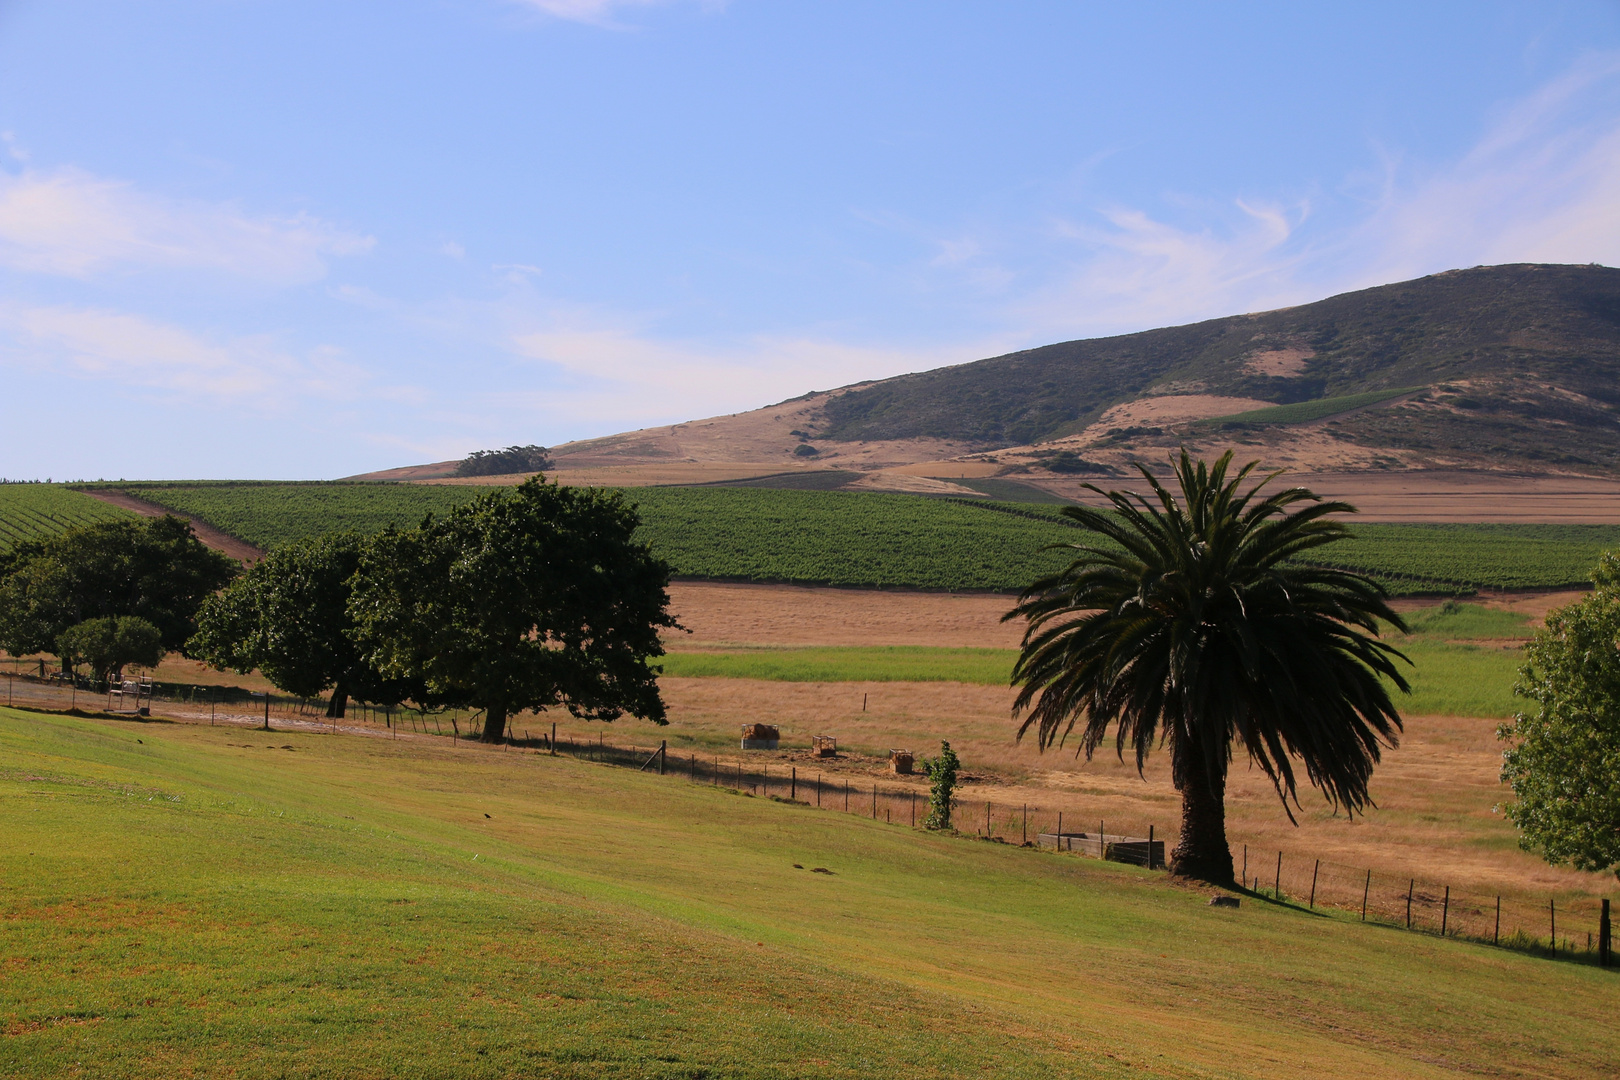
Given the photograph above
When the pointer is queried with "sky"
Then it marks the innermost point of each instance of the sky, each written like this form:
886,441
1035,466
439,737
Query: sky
290,239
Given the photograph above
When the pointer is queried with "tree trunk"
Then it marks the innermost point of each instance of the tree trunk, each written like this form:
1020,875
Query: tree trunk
1202,852
494,723
339,703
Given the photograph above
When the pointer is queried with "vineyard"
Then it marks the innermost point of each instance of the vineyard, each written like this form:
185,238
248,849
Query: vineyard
873,539
40,511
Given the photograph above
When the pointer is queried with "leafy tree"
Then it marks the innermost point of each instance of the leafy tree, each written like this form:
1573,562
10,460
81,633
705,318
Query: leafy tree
288,616
941,772
514,459
1564,760
108,644
530,599
154,568
1193,624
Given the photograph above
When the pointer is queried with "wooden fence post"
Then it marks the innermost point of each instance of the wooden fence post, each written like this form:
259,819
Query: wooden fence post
1058,845
1445,911
1276,888
1317,869
1605,936
1496,935
793,785
1412,884
1365,889
1150,847
1024,836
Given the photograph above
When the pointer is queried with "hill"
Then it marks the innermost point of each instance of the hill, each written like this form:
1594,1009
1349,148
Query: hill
1501,368
188,900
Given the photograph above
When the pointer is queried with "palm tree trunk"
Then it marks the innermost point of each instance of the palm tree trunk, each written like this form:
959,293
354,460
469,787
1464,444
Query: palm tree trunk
1202,852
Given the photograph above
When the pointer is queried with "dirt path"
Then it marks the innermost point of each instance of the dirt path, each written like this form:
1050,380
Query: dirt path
240,550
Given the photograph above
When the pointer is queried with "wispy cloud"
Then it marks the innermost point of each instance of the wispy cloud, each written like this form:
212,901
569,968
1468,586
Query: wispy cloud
1539,185
121,352
70,223
620,374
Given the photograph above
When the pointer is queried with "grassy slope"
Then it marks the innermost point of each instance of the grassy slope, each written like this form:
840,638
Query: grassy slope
184,906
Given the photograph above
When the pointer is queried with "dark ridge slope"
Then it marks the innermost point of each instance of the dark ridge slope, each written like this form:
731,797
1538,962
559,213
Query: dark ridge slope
1535,342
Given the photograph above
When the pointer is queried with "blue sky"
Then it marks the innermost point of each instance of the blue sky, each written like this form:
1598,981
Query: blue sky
244,238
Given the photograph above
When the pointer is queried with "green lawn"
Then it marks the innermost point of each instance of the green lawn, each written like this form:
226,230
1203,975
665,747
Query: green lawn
1447,679
194,901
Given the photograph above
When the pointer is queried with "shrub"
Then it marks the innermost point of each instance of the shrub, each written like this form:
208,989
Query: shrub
941,772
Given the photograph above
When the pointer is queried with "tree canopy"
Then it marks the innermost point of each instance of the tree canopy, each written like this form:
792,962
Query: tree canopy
1563,761
288,616
154,568
535,598
513,459
1193,623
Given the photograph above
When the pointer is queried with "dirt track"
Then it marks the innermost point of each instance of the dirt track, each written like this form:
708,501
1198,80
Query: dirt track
240,550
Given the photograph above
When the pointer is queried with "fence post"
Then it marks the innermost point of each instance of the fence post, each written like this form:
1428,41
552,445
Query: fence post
1024,836
1552,921
1245,866
846,796
1276,888
1366,888
1150,847
1605,936
554,738
663,755
1058,845
1317,869
793,785
1411,884
1445,911
818,791
874,802
1496,935
987,818
913,809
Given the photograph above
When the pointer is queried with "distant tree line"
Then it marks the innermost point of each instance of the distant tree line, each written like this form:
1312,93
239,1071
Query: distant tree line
514,459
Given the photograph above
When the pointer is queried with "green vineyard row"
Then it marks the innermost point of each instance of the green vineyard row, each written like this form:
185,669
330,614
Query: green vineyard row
40,511
875,539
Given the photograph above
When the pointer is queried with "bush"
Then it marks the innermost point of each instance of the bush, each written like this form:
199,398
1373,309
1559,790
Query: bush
805,450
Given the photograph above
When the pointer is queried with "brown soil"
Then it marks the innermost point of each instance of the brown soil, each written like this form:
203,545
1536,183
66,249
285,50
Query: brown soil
240,550
782,615
1283,363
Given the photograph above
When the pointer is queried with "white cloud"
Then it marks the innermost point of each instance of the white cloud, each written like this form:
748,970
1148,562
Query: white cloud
70,223
119,352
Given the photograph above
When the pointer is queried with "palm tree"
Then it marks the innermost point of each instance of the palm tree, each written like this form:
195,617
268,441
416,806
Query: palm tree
1195,625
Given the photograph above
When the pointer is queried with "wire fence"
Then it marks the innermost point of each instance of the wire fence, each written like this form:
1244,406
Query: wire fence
1570,926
